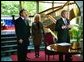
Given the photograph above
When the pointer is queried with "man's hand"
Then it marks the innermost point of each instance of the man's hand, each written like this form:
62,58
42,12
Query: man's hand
64,27
20,41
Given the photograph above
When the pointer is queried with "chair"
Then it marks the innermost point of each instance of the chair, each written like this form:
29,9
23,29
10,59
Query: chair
48,40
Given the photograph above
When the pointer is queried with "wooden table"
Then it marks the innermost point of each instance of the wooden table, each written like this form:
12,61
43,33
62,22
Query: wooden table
62,49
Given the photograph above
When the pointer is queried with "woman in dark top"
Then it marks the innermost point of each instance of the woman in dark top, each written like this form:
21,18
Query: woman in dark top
37,33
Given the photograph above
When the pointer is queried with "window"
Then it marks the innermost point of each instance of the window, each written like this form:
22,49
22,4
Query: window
30,6
9,8
44,5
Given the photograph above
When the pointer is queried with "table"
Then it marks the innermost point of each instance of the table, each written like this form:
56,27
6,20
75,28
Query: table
62,48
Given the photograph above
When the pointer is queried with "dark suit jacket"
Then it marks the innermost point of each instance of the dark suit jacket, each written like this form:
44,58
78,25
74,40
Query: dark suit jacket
63,34
22,30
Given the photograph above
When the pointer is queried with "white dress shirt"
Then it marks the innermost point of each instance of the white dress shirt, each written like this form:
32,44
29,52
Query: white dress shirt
65,21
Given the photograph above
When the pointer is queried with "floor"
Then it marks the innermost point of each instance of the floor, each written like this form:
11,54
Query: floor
41,58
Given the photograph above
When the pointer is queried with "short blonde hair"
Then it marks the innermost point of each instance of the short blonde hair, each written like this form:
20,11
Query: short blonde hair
37,17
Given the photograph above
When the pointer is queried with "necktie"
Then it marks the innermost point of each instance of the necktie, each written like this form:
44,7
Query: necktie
65,22
26,22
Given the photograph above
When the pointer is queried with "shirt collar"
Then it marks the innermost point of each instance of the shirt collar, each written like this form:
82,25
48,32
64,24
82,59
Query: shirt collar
22,17
63,18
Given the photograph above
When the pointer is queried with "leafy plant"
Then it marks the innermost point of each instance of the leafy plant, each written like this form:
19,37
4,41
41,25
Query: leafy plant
76,31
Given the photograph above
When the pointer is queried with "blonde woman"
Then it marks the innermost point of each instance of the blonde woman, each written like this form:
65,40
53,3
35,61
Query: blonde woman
37,33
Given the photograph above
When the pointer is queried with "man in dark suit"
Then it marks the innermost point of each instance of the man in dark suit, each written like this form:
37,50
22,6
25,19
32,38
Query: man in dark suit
22,29
62,27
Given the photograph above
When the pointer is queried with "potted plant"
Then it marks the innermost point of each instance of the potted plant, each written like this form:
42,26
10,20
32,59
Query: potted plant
76,34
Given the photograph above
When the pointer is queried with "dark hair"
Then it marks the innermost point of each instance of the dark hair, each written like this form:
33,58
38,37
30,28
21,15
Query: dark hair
22,11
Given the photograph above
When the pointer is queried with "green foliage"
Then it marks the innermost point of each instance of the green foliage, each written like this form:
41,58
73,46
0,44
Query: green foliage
12,7
30,7
9,8
76,31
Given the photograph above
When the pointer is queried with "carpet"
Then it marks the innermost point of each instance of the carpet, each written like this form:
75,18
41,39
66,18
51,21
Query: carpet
31,55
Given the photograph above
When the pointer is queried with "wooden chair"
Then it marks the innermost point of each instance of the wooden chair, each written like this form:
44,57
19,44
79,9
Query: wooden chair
48,40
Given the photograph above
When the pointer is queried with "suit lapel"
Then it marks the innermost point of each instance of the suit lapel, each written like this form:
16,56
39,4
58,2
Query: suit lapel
62,21
23,21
